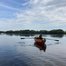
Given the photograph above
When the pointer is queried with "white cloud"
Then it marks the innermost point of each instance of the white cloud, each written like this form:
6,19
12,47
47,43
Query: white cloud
38,12
24,4
41,12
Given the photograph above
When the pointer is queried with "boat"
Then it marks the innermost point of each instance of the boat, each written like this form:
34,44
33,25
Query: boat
40,43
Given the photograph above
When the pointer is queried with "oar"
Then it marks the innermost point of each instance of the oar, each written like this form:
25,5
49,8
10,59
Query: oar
43,38
27,38
52,39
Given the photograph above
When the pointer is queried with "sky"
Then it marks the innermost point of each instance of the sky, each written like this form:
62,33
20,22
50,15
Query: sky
32,14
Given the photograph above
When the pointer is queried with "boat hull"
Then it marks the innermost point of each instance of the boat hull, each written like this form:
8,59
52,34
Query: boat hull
40,43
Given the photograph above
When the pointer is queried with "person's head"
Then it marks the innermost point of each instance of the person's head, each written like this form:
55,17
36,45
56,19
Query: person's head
40,36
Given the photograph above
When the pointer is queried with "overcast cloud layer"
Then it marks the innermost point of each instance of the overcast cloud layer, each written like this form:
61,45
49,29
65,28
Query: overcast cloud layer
32,14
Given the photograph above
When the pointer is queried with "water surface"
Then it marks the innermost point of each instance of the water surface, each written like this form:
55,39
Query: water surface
22,52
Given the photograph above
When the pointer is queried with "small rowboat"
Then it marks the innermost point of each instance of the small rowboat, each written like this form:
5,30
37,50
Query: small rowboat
40,43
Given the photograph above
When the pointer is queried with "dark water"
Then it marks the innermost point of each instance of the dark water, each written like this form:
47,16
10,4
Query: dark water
22,52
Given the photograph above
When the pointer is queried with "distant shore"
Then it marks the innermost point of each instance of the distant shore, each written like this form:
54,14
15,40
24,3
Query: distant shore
57,31
54,33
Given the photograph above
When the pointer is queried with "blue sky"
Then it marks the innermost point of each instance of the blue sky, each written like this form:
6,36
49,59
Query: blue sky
32,14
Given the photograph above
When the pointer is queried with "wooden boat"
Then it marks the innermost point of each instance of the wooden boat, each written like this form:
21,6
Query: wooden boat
40,43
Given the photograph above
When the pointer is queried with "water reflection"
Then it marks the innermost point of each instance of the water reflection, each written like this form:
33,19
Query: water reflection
57,35
17,52
27,35
41,47
57,42
11,34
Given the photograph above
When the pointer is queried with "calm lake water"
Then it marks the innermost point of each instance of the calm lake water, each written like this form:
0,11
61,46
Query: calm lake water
22,52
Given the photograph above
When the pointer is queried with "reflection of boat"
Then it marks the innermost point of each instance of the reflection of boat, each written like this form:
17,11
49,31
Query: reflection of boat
40,43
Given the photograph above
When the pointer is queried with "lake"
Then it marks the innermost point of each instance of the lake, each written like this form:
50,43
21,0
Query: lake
22,52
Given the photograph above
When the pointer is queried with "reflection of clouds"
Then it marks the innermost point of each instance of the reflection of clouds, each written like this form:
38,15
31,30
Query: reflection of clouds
21,42
52,42
24,44
55,43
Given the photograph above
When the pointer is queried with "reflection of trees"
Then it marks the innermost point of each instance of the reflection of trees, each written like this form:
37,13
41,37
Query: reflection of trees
1,32
57,35
45,35
11,34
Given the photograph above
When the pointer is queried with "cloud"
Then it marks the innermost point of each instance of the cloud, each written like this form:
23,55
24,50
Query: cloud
42,14
57,3
38,12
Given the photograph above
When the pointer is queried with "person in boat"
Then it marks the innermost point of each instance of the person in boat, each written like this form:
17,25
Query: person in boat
40,42
40,36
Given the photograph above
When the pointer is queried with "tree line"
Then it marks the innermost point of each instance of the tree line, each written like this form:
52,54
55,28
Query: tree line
57,31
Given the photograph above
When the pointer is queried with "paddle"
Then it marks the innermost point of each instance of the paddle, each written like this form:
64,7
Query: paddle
52,39
43,38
